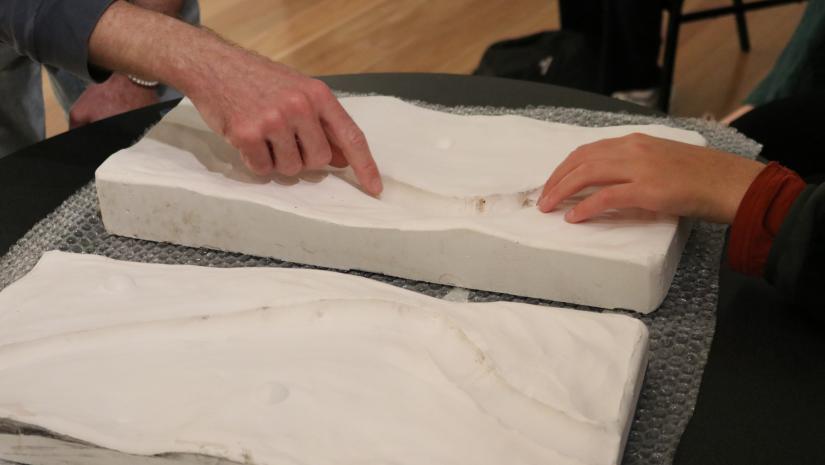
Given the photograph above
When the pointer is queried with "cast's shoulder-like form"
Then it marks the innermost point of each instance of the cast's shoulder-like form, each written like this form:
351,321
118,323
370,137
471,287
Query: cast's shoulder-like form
796,264
53,32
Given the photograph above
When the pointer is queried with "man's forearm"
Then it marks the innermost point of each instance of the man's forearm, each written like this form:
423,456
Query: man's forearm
134,40
167,7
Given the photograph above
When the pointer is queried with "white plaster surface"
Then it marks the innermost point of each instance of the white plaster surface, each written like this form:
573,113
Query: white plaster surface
458,207
284,366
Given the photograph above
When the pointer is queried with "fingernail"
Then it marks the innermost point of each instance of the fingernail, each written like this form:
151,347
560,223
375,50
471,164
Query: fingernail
546,204
570,215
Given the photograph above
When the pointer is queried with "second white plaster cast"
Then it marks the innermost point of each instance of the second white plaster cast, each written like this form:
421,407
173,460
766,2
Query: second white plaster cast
279,366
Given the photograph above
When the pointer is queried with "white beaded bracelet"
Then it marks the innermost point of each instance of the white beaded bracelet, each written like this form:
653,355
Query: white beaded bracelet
143,82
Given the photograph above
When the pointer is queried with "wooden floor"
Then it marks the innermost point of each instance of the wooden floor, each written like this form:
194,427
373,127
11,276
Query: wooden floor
352,36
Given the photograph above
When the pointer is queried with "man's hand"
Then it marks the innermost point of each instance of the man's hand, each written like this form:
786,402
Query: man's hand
279,119
639,171
115,96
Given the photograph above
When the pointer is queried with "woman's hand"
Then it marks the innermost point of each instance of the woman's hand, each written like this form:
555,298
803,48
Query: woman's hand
640,171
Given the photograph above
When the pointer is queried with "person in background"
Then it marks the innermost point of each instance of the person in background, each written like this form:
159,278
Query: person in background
627,35
800,69
278,119
783,111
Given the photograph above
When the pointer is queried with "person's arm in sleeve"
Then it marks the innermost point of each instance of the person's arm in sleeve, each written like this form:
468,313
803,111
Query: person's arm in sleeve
778,222
53,32
279,119
796,263
119,94
779,234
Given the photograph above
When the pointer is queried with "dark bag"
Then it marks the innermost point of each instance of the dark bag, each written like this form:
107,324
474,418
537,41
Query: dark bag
564,58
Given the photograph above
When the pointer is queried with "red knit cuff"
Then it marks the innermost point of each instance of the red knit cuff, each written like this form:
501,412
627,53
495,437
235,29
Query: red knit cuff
759,217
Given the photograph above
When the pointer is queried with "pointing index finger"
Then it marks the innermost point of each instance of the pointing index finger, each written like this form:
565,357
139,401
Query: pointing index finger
348,137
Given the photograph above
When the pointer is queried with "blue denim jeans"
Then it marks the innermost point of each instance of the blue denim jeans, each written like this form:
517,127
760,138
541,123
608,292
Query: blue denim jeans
22,116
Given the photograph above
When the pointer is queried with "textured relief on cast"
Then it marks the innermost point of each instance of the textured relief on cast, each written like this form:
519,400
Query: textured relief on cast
458,207
278,366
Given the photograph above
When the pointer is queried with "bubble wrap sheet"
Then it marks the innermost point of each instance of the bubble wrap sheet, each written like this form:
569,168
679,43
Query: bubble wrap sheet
680,331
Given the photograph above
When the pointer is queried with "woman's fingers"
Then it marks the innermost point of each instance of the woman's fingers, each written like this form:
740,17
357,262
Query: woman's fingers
587,174
592,152
612,197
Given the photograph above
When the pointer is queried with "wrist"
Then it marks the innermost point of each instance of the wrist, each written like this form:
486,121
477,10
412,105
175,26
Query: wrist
199,70
761,214
741,181
143,82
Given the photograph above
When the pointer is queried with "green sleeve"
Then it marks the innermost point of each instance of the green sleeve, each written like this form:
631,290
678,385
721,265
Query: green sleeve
801,66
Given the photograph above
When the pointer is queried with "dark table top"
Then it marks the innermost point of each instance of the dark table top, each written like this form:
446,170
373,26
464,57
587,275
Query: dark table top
763,391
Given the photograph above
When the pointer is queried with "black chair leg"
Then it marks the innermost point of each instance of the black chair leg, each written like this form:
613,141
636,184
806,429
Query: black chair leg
742,26
671,42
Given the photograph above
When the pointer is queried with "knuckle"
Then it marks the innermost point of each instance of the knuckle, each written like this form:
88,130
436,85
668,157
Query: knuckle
638,141
318,90
579,153
297,104
319,159
242,136
605,197
354,137
274,120
587,168
608,198
585,152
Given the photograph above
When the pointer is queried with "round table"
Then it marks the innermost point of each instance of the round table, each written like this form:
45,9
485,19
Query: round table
755,406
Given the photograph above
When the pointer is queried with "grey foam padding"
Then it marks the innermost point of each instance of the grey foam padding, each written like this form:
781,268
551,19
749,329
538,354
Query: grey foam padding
680,331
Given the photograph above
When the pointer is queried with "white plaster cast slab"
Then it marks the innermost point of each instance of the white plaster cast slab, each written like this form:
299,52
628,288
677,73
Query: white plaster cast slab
284,366
458,207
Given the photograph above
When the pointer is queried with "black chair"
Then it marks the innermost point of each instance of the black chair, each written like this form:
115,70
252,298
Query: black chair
675,19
